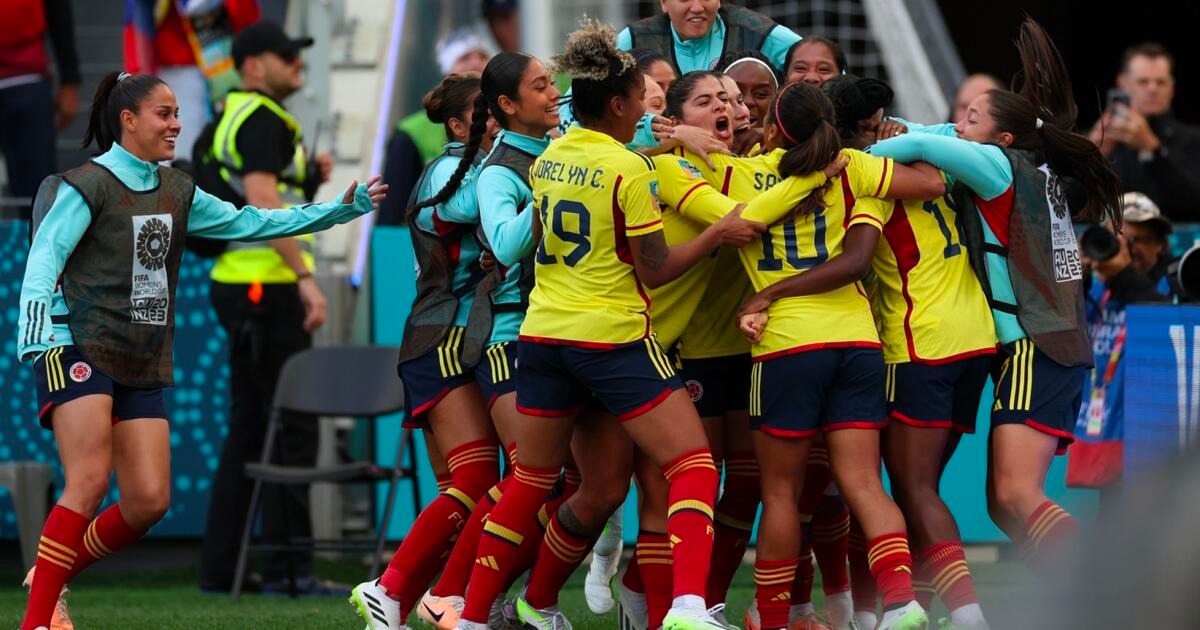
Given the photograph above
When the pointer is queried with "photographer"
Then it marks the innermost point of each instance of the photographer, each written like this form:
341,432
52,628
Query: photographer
1150,149
1127,268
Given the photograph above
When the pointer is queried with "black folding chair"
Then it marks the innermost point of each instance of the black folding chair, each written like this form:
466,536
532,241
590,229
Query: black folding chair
355,381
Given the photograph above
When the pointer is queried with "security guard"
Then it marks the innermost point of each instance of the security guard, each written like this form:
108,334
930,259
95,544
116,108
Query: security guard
267,301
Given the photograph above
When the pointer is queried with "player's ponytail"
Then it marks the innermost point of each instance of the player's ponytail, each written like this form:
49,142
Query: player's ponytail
1040,114
599,71
451,99
803,116
501,77
856,99
117,92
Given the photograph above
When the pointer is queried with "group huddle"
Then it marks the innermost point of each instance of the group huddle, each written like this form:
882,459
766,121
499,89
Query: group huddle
749,274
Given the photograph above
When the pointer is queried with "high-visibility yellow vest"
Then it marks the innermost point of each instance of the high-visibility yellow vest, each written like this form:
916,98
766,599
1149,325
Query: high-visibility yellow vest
249,262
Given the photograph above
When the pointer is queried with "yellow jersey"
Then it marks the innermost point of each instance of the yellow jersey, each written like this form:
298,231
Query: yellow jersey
929,305
792,245
591,194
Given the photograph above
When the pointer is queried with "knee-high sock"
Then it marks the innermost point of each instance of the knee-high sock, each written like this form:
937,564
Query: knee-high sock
105,535
513,518
474,467
862,583
527,555
453,581
693,489
734,521
831,534
563,548
773,582
653,559
61,536
946,565
1050,529
891,564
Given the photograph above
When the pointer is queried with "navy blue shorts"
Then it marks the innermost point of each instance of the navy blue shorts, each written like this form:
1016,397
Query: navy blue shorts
560,380
944,396
497,372
428,378
1035,390
717,385
795,395
63,375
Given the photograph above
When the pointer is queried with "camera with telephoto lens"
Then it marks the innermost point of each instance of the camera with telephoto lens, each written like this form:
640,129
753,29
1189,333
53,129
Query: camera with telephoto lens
1099,244
1184,275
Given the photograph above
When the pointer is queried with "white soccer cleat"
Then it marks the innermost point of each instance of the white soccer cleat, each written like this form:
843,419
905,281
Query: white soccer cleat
631,608
597,586
376,608
442,613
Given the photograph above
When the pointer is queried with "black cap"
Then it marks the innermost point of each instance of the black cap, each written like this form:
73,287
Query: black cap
499,7
263,37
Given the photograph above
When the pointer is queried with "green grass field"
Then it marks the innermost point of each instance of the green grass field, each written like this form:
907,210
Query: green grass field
169,599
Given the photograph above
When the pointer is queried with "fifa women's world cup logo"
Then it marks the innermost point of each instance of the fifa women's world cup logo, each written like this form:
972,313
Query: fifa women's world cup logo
150,291
152,243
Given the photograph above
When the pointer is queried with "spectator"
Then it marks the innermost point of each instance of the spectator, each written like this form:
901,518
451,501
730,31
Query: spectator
189,45
971,87
693,34
1151,150
500,28
653,63
417,140
1137,273
30,115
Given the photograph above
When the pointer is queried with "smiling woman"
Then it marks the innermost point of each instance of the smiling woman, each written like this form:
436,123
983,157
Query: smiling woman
97,304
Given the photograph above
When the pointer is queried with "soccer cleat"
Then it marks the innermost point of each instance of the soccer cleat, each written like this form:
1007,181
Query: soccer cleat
718,613
376,608
442,613
470,625
60,619
631,608
910,617
809,622
679,618
541,618
503,615
753,621
865,620
597,587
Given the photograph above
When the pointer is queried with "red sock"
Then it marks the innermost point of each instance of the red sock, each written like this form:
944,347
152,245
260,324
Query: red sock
817,476
831,533
891,564
693,489
560,555
61,536
773,582
443,482
1050,529
513,518
802,583
734,516
474,467
106,535
632,579
946,565
653,556
462,557
527,555
862,583
922,581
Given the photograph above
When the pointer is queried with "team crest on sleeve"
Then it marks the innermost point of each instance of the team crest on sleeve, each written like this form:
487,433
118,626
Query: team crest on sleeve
690,169
695,390
654,191
80,372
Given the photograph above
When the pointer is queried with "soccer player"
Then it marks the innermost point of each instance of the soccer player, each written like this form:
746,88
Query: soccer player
817,362
587,332
938,342
1010,152
444,395
99,336
756,78
814,60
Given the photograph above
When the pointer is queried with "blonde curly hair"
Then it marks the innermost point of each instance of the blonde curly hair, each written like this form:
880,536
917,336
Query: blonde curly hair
591,53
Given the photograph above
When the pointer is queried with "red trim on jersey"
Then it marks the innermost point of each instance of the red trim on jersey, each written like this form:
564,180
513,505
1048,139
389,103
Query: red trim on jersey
921,424
787,433
957,357
624,253
858,287
854,424
683,199
867,217
656,401
847,198
903,241
645,225
887,164
591,345
997,212
550,413
825,345
728,180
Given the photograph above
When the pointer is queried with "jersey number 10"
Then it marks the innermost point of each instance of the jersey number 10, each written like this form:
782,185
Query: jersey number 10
792,249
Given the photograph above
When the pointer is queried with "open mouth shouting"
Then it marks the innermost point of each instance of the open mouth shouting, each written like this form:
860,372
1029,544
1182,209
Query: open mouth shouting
721,128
